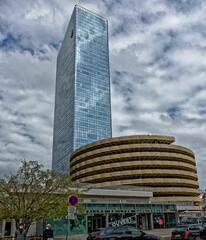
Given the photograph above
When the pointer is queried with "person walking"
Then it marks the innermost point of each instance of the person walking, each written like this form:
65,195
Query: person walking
48,233
20,233
161,223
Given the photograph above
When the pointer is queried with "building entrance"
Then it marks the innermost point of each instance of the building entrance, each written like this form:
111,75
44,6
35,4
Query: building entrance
7,230
95,222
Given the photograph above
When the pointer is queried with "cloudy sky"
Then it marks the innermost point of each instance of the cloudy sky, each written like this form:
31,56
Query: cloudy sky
158,72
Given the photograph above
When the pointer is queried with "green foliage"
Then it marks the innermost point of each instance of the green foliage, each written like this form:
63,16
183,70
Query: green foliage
33,194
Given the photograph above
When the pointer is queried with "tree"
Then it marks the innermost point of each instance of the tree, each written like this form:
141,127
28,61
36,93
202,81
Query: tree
33,194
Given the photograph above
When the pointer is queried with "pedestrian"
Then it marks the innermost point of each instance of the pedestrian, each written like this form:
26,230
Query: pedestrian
20,233
161,223
48,233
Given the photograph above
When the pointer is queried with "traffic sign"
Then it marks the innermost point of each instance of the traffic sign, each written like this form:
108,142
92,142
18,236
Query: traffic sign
73,200
71,212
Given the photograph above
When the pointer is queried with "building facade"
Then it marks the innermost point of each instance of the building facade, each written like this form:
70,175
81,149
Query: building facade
82,99
115,206
105,207
119,205
141,160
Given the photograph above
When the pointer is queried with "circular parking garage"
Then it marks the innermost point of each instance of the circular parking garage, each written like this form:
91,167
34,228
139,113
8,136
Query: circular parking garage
142,160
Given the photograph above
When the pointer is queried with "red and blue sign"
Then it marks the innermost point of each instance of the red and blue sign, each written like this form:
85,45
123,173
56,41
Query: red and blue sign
73,200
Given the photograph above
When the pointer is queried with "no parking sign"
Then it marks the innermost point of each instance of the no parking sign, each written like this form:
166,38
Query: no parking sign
73,200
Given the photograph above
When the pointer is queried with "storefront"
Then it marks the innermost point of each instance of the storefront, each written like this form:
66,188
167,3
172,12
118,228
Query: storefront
142,216
109,208
97,216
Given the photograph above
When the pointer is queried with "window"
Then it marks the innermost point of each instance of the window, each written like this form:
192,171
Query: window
195,227
72,33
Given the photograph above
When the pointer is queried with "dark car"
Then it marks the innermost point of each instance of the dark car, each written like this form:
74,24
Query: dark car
93,234
189,232
202,232
124,233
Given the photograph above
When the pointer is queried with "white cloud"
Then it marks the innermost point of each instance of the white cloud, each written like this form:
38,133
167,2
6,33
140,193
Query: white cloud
27,84
158,72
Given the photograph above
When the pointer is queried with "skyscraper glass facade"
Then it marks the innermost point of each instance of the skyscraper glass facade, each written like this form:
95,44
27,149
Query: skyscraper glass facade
82,100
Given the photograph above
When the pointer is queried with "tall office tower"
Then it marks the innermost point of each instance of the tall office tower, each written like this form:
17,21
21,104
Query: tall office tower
82,99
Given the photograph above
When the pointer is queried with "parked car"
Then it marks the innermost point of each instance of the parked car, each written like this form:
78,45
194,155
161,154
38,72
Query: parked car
189,232
124,233
192,220
93,234
202,232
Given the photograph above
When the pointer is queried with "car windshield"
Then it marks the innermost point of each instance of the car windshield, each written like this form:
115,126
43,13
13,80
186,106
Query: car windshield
194,227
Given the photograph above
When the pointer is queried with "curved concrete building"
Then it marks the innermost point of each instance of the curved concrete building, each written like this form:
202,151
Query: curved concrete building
142,160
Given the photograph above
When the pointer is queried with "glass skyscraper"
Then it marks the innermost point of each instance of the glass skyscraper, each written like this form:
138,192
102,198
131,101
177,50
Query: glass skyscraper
82,99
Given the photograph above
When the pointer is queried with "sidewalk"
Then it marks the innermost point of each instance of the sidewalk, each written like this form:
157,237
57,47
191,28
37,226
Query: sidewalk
163,233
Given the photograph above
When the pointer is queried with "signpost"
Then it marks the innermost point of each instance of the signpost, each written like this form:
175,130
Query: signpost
72,202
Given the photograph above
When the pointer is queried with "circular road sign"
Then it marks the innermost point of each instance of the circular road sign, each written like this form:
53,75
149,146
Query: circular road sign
73,200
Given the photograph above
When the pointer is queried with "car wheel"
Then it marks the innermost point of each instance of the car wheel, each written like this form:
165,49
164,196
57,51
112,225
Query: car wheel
191,238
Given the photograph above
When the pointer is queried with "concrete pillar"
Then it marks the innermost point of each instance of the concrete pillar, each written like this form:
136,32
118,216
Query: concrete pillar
3,227
144,223
151,221
136,221
107,219
177,217
164,219
13,227
146,218
86,223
